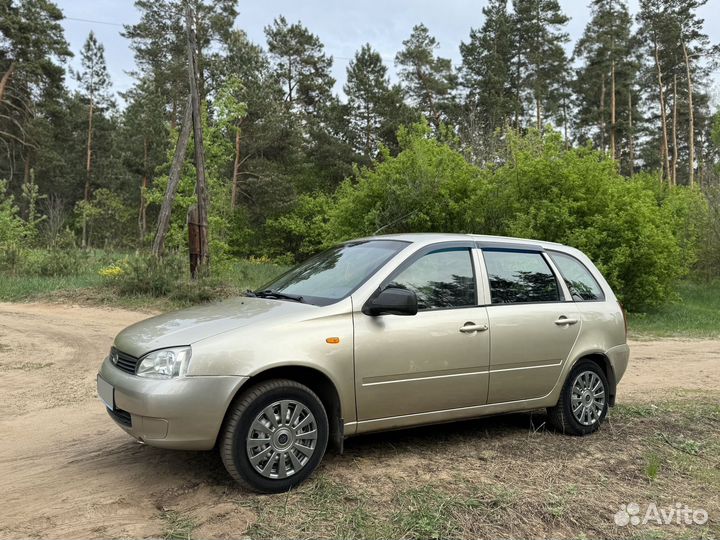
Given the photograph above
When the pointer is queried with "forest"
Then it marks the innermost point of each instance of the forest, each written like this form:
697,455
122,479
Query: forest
613,148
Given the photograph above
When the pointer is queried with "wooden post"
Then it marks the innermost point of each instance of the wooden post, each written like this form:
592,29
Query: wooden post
201,185
194,240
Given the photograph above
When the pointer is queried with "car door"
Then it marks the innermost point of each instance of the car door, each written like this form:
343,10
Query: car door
434,360
533,327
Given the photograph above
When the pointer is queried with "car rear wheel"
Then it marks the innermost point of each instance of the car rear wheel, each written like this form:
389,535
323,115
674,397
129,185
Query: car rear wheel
583,402
274,436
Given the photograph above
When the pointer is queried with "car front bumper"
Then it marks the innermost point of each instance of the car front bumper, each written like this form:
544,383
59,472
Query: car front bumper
182,413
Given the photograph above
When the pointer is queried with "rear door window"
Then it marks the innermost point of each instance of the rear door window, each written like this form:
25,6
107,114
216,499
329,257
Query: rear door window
519,277
583,286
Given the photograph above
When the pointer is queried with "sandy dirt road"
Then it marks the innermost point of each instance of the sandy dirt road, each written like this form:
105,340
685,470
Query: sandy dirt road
66,471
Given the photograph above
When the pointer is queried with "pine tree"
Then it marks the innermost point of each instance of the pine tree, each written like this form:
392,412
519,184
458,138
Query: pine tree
540,63
259,134
301,66
696,50
159,44
374,106
143,138
605,81
94,86
33,50
658,34
429,81
486,69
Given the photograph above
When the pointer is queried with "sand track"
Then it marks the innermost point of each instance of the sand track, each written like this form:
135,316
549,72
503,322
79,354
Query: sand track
66,471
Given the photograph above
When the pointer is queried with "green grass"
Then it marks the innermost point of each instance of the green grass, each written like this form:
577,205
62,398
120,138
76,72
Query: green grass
696,314
652,466
229,278
22,288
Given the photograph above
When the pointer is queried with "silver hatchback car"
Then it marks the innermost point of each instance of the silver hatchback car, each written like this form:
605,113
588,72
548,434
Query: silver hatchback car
378,333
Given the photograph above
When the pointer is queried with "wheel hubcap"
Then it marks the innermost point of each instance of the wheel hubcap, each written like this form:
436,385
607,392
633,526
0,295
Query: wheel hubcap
282,439
587,398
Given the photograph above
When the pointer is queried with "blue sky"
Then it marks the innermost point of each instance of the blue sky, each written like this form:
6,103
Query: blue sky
342,26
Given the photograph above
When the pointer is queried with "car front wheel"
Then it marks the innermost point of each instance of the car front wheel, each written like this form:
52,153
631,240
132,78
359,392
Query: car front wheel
274,436
583,402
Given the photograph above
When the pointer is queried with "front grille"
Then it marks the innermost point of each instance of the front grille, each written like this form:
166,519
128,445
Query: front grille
126,362
120,416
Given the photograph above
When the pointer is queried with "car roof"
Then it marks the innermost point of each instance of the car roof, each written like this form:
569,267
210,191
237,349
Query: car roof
431,238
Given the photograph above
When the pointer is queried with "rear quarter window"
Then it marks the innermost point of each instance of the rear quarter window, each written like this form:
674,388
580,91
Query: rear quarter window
583,286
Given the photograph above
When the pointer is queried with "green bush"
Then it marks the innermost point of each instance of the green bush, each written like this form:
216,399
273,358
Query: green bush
303,231
427,187
199,292
12,228
52,262
643,237
144,275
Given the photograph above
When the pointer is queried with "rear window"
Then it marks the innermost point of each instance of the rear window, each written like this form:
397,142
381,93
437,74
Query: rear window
583,286
520,277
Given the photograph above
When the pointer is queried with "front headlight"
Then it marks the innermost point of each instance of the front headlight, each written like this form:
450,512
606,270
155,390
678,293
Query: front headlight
165,363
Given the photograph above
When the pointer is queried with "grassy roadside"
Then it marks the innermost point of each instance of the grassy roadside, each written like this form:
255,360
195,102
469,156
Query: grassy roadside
87,287
696,314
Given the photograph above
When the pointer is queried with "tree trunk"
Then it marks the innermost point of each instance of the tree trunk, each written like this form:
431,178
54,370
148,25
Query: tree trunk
173,181
88,171
663,117
142,213
200,186
173,114
612,111
236,170
631,135
26,170
368,129
6,79
691,119
565,120
674,134
602,113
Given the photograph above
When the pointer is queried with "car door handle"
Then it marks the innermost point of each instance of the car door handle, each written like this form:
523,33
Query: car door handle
564,321
468,328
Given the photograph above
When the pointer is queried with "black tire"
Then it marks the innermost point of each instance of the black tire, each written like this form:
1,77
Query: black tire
561,415
236,429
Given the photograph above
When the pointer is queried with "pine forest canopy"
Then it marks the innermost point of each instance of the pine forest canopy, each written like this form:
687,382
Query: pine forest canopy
635,88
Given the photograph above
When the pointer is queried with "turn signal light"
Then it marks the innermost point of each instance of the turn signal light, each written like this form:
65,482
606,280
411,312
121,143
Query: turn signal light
332,340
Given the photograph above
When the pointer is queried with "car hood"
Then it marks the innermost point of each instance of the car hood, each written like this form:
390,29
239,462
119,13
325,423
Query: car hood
200,322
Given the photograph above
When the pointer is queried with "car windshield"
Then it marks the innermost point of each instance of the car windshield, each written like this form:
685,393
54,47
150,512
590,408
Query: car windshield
333,274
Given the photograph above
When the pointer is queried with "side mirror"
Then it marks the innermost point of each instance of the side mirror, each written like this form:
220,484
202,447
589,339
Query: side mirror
392,301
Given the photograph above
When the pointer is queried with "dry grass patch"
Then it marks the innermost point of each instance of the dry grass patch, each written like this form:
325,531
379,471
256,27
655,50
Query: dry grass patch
507,478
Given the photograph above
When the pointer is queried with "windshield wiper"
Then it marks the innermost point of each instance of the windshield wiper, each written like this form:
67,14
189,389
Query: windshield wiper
269,293
250,293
